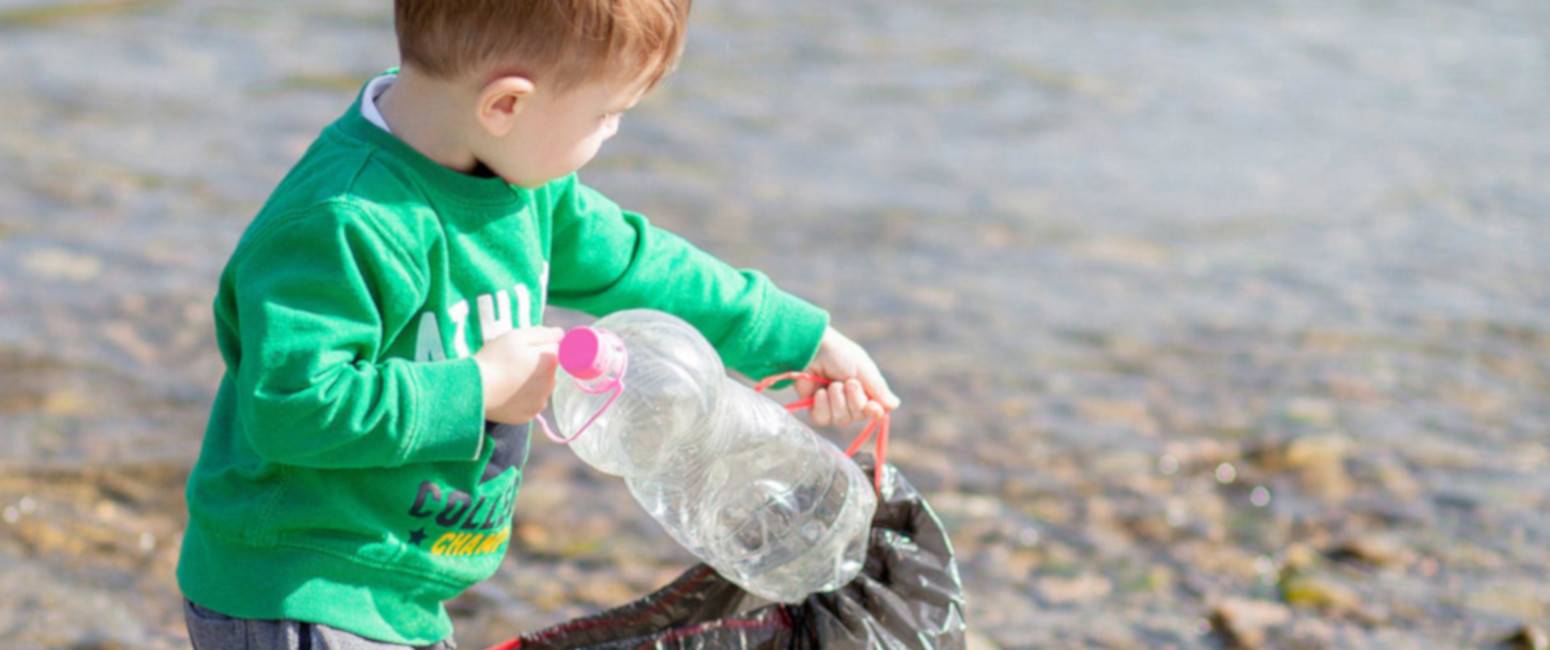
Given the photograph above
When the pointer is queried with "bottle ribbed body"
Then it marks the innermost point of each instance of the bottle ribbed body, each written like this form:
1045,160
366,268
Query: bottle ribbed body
727,472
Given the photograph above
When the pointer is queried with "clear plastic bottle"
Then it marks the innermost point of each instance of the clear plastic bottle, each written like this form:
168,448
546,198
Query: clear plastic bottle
730,475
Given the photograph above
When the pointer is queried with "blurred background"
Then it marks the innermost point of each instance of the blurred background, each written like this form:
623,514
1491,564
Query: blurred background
1214,321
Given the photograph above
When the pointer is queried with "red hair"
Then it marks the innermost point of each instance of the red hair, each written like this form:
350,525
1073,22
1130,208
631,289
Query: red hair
562,42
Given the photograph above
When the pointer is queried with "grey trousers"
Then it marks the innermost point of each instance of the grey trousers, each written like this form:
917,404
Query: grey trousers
210,630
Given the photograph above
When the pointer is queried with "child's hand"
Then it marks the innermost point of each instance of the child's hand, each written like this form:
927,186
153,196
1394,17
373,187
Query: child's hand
517,369
858,392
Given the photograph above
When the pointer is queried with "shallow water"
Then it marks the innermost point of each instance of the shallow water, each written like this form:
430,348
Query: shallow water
1185,303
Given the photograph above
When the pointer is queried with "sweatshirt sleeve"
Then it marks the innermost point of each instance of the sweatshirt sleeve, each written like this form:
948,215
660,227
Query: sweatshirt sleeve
604,259
317,295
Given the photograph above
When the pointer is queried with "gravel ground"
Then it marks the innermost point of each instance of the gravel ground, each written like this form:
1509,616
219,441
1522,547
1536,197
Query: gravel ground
1215,322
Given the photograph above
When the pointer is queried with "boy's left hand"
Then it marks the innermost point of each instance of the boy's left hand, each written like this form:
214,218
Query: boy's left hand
858,392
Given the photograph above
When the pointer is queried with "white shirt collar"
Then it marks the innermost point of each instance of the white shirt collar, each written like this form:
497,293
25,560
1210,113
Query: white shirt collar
369,97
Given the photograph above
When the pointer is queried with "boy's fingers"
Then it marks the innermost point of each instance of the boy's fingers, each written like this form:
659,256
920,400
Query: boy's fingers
857,399
535,336
805,387
820,408
837,411
544,334
877,387
548,363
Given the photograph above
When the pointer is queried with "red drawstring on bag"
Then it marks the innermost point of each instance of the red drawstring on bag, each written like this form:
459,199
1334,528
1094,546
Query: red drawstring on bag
878,425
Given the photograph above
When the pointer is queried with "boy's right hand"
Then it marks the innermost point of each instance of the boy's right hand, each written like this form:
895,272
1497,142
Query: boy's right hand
517,369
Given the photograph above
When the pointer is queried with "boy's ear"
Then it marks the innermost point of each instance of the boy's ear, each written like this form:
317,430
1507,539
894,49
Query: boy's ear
500,101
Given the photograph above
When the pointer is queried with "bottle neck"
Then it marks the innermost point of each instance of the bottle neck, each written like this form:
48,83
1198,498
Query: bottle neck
594,357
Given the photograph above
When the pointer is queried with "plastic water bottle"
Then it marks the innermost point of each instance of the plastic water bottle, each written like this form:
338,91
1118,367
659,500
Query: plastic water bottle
729,473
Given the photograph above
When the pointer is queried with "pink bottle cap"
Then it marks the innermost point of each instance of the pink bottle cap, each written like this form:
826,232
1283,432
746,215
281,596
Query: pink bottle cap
582,353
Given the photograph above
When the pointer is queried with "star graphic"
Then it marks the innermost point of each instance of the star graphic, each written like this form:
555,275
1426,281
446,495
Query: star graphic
416,536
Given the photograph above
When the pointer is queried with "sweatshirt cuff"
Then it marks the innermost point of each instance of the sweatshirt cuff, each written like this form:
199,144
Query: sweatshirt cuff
786,338
449,402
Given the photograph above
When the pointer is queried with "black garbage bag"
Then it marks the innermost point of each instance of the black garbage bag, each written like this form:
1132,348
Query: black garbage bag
908,595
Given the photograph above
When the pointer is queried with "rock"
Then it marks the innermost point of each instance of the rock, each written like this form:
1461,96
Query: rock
128,339
1471,556
533,536
66,402
1160,579
1220,560
61,264
976,641
1049,510
1022,562
1310,633
1527,637
1129,414
1520,599
1199,452
1434,454
1078,589
1242,622
1113,637
1319,462
1125,252
1320,593
604,592
1311,411
1397,480
1299,557
1379,551
1315,452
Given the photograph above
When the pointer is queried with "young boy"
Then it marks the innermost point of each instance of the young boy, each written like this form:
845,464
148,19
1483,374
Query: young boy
384,306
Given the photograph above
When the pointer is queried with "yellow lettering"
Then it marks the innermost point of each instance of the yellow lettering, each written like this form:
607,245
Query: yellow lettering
491,543
470,542
442,544
457,544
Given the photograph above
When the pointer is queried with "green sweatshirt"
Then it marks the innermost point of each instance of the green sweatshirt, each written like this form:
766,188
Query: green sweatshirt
347,476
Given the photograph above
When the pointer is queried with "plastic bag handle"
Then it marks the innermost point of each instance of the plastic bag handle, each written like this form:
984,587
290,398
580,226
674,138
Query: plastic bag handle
878,425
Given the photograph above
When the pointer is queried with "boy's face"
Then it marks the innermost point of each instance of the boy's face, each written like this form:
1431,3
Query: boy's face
554,133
